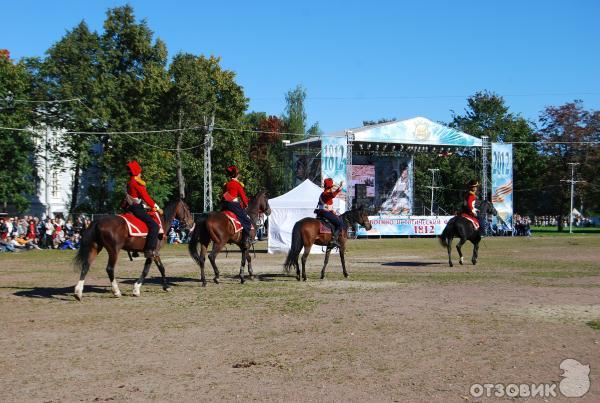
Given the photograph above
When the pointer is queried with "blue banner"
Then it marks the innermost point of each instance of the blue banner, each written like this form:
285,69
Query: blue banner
334,157
502,184
403,225
416,131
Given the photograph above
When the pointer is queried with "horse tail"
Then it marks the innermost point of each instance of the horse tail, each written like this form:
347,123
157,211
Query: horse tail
297,245
444,237
88,237
199,235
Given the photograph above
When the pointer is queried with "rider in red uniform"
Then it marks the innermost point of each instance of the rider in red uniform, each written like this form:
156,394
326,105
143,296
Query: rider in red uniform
137,199
469,199
325,208
235,200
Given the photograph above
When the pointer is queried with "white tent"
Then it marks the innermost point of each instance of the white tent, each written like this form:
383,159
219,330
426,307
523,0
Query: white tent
287,209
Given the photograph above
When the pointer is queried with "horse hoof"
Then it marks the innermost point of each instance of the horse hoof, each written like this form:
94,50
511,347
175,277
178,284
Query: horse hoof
204,284
474,262
167,289
303,278
451,265
346,275
78,297
117,295
216,280
298,278
461,261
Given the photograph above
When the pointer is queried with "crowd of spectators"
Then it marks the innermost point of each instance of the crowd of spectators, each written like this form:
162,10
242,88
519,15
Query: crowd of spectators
28,232
522,225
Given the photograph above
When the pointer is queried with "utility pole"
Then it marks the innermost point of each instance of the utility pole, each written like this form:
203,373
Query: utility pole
572,182
433,187
485,147
180,178
208,144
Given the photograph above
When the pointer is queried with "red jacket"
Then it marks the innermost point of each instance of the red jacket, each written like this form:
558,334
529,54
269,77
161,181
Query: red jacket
327,197
470,202
138,193
235,190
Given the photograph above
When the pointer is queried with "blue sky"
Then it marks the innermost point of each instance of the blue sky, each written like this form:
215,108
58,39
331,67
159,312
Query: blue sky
362,60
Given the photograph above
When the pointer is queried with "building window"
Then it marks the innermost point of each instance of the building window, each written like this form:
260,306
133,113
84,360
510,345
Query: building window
54,183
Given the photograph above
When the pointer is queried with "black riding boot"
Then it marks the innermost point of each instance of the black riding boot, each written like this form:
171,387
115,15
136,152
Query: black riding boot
335,238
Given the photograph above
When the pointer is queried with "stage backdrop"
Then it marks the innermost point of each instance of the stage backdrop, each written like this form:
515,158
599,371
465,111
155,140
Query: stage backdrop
334,159
502,183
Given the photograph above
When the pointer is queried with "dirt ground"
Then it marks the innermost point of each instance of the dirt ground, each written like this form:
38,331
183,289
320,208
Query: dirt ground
403,327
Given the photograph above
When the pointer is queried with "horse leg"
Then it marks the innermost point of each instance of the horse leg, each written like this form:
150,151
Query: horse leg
250,271
449,247
85,267
343,259
202,263
327,252
213,259
243,264
110,270
458,248
161,268
304,257
140,281
475,250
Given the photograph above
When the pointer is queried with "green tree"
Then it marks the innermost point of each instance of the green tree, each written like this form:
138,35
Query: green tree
71,71
295,113
488,115
16,147
567,133
199,89
133,79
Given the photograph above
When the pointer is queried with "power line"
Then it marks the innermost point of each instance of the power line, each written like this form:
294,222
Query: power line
367,98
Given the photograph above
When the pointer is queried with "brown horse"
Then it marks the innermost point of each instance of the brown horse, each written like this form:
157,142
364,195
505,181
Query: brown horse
111,233
216,227
306,233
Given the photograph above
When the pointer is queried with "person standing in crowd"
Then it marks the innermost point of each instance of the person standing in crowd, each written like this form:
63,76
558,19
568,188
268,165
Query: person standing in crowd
3,229
48,232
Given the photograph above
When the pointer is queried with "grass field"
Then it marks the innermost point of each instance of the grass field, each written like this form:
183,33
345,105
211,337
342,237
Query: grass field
403,326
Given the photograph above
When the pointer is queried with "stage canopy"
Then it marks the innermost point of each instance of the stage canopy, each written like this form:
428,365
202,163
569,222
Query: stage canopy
418,131
298,203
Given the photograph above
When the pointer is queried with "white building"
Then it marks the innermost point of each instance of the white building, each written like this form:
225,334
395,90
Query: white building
54,175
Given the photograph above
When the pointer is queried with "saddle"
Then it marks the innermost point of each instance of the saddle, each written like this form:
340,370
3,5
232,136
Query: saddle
471,219
137,228
237,225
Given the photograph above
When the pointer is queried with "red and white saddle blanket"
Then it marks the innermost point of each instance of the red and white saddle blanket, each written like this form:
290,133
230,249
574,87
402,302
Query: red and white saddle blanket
137,227
237,225
472,219
323,228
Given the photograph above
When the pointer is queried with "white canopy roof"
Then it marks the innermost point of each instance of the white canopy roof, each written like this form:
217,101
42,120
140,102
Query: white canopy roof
287,209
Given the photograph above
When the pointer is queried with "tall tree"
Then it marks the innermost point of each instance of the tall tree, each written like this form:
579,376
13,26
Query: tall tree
71,71
488,115
567,132
16,147
133,80
295,113
199,89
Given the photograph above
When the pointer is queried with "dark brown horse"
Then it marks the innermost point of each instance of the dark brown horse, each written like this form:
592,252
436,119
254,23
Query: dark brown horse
306,233
216,227
111,233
